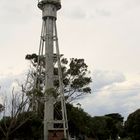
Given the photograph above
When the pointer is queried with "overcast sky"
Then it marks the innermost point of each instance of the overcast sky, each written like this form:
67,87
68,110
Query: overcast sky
105,33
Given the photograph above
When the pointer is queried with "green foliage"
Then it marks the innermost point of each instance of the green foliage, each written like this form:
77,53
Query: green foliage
118,122
74,71
28,126
79,121
80,124
132,125
108,126
101,128
33,128
116,117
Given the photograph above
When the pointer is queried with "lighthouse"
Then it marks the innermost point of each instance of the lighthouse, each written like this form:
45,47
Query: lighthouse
49,48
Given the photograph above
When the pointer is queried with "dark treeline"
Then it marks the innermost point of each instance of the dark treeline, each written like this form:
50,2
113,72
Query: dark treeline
81,126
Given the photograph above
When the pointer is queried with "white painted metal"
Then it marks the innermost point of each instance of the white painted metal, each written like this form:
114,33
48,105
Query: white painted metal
49,40
48,114
50,5
64,113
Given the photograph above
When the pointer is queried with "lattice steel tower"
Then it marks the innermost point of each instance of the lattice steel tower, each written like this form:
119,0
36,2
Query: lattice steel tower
49,49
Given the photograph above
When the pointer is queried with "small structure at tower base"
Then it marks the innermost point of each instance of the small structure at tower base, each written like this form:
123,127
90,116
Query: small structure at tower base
56,135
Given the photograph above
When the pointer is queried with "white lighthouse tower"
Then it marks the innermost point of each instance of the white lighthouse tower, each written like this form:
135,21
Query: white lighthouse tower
48,47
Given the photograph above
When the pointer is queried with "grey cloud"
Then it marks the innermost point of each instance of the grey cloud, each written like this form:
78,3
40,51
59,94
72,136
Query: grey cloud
122,96
124,92
105,78
102,12
15,12
108,7
75,13
103,109
99,104
7,81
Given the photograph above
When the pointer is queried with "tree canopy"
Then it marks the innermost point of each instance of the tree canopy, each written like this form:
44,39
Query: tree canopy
75,73
132,125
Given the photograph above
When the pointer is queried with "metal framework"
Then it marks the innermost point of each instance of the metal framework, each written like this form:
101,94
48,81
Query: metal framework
48,47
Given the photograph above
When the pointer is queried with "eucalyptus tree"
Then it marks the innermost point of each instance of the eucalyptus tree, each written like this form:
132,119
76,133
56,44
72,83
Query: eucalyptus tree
75,73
